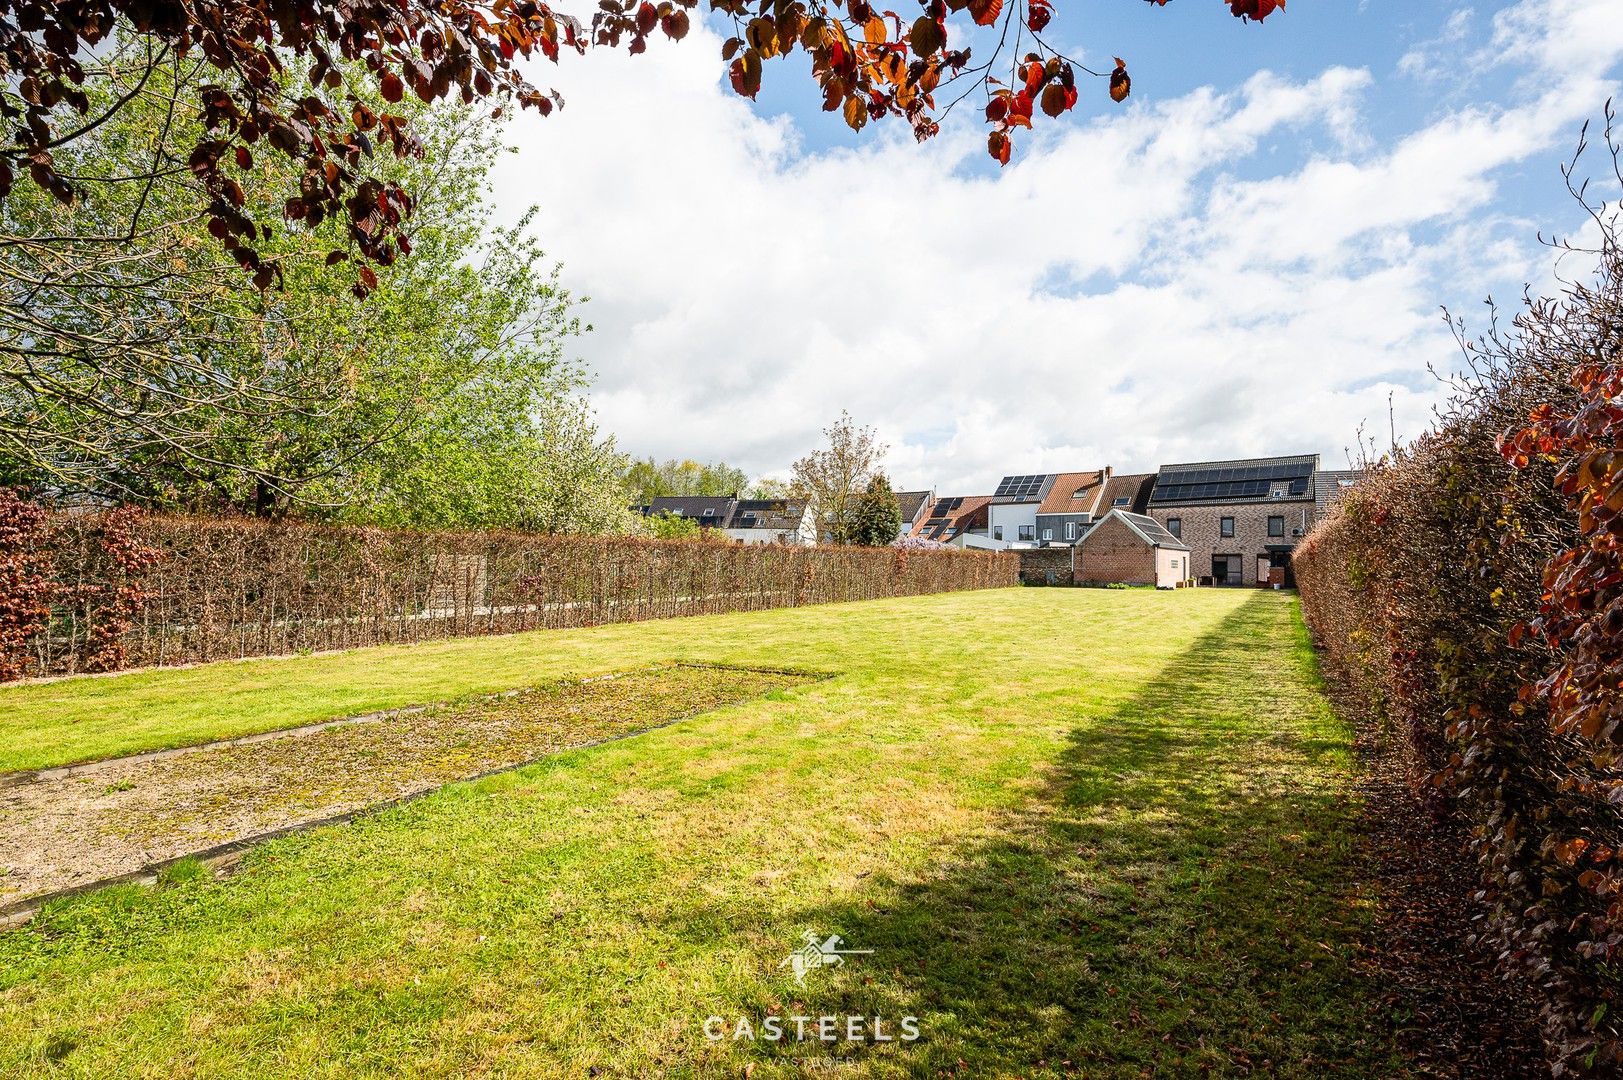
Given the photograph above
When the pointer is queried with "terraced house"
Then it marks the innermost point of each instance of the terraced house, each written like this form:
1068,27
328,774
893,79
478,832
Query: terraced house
1240,519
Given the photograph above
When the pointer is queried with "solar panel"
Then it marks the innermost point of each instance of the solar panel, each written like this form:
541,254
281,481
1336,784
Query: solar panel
1016,487
1233,482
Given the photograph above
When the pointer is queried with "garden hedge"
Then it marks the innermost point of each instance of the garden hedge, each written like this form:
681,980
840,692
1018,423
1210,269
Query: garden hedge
102,591
1468,596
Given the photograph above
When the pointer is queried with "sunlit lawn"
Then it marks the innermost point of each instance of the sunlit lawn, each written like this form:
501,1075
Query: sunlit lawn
1097,833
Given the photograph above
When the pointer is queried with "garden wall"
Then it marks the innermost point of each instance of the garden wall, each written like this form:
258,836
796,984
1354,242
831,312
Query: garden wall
123,589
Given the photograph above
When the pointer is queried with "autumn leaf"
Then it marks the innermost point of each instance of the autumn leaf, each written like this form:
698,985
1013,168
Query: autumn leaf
762,34
997,144
1121,84
856,113
1053,99
745,74
1020,109
985,12
926,36
1038,13
1256,10
675,24
391,87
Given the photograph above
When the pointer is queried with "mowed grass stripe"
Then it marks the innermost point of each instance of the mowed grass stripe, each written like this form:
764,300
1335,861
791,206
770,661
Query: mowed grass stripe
1100,833
65,721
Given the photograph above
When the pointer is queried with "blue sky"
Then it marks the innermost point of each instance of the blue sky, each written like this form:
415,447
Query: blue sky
1249,256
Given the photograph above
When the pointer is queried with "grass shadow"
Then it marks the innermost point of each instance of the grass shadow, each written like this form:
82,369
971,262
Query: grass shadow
1177,900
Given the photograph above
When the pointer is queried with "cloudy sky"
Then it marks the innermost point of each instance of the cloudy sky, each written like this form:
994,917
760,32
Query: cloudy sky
1246,258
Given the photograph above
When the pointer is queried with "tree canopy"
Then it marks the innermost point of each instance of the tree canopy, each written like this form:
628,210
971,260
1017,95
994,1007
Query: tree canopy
877,517
280,86
649,479
134,366
831,478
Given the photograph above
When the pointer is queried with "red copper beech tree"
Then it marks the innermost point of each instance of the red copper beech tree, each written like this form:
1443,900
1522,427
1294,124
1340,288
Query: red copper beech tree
869,64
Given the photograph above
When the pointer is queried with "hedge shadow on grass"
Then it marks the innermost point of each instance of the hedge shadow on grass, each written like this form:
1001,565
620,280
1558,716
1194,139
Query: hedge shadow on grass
1177,899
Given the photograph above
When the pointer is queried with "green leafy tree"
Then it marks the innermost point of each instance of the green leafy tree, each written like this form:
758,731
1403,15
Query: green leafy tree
673,527
140,369
877,519
769,487
649,479
544,468
830,479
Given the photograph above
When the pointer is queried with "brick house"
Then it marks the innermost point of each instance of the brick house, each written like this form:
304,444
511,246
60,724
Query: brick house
1241,519
1040,509
1071,505
1130,549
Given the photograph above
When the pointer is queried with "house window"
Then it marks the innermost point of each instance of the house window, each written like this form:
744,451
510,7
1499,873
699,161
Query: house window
997,532
1048,534
708,512
1175,527
1123,501
1227,526
1070,530
1028,532
1276,526
951,533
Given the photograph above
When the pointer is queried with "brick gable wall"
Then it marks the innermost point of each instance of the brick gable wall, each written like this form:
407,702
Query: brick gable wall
1113,552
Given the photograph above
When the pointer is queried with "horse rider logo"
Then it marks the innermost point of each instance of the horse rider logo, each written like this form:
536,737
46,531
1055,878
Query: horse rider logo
818,953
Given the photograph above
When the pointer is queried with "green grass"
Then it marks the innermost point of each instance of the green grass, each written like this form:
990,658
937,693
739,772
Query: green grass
1085,832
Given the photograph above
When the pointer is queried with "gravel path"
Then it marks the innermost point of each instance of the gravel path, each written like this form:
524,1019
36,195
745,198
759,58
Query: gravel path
58,833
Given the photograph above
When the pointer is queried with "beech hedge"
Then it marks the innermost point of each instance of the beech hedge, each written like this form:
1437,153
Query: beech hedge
103,591
1468,599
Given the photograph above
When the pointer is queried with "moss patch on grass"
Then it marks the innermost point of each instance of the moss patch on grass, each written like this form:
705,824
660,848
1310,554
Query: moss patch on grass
68,831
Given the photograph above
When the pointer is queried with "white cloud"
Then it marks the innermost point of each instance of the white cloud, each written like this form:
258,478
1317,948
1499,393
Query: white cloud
1129,291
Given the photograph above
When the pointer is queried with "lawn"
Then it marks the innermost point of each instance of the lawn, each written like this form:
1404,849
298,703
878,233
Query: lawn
1093,833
